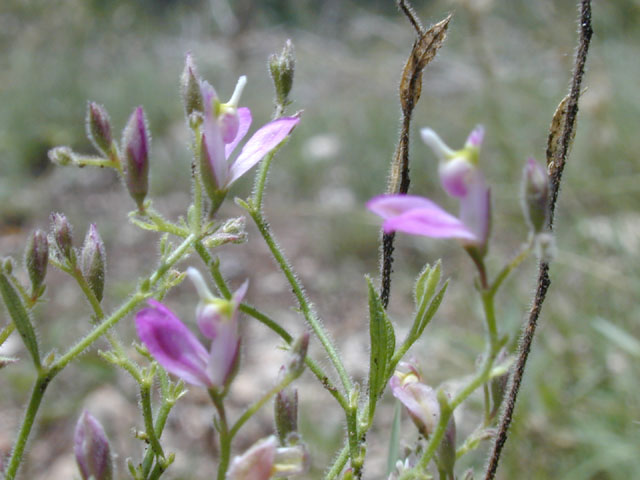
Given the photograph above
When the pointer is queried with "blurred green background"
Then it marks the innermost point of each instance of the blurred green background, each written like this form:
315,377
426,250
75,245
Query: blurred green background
505,64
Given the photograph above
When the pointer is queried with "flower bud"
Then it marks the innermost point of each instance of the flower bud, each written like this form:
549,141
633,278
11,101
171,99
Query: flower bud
94,259
535,195
286,413
61,229
62,156
190,88
419,399
99,128
256,463
92,451
136,143
36,259
447,449
282,68
297,355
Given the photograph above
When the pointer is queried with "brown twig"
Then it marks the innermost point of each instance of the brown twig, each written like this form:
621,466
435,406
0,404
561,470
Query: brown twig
423,51
556,157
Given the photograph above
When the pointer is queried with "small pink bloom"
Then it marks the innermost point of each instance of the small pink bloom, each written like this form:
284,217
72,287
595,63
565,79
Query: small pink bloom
91,448
460,178
419,399
256,463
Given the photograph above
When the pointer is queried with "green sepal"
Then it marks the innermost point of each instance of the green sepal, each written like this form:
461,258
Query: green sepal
20,318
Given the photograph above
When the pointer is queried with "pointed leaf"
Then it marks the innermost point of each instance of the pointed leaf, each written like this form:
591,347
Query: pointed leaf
20,318
433,308
426,284
379,327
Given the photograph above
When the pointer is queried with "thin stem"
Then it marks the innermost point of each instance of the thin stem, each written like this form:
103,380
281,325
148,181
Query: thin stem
147,415
339,463
559,161
27,423
305,307
249,412
225,437
268,322
6,331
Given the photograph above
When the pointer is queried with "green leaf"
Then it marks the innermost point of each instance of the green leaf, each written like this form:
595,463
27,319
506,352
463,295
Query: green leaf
394,439
382,346
431,311
20,318
426,283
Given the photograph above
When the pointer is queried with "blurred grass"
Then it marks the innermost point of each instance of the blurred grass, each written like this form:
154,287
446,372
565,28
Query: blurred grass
505,64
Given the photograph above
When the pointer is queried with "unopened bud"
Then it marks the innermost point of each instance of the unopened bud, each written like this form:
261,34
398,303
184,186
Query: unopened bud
535,195
190,88
447,449
94,259
286,413
136,143
61,229
36,259
297,356
99,128
92,451
62,156
282,67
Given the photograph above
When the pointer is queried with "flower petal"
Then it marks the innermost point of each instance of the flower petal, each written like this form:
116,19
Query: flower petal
431,222
256,463
260,144
392,205
475,209
172,344
244,119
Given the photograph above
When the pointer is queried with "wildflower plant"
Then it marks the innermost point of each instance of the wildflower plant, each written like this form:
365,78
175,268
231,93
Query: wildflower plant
202,350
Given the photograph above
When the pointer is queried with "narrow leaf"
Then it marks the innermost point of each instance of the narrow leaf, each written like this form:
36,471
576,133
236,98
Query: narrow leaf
20,318
427,283
394,438
378,331
433,308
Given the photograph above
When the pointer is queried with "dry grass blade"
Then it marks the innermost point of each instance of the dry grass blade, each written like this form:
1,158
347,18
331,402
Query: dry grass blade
424,50
556,131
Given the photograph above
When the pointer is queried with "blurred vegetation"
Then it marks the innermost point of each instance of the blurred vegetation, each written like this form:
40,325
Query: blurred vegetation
505,64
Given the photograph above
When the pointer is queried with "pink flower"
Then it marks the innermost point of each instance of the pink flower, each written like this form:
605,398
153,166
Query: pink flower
265,460
91,448
180,352
419,399
460,178
223,128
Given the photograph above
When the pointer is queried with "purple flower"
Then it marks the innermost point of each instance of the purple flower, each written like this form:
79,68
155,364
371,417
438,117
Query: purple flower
223,128
461,178
419,399
265,460
92,451
180,352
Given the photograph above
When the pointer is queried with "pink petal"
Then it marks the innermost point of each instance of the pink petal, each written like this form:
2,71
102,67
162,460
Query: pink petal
256,463
475,210
223,355
172,344
476,137
260,144
429,222
244,119
392,205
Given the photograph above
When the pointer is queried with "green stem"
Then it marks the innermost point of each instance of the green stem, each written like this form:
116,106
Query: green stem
512,265
225,437
305,307
147,414
249,412
161,419
27,423
339,463
269,323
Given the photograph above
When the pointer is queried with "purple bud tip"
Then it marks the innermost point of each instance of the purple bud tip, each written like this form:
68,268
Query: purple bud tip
99,127
61,229
93,261
92,451
36,258
136,143
476,137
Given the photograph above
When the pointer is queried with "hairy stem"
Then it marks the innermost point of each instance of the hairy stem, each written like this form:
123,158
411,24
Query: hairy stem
543,273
